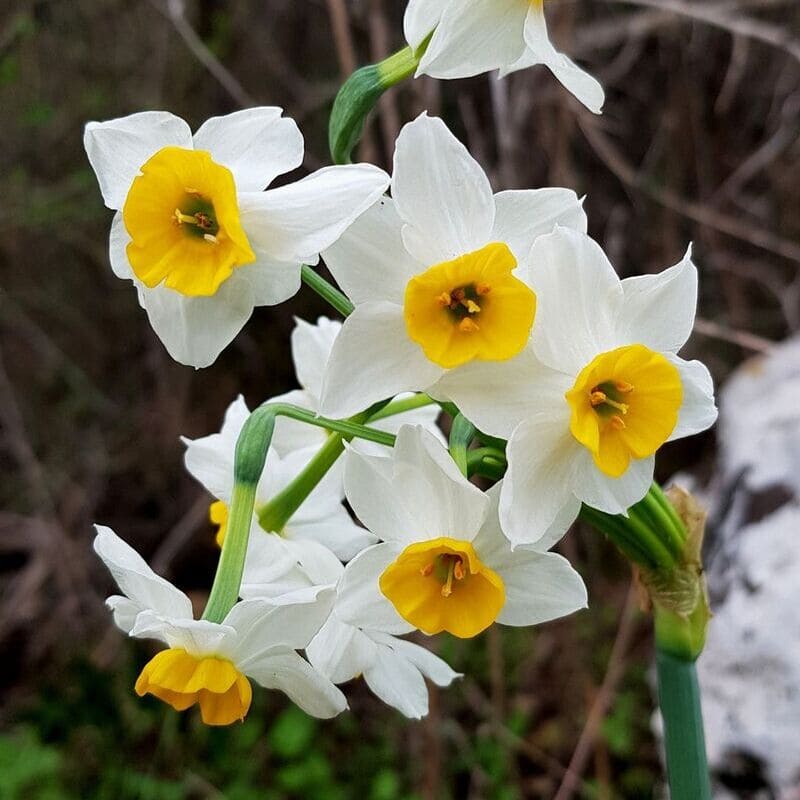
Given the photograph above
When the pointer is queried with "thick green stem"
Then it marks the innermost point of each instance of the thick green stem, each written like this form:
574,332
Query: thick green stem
679,698
329,293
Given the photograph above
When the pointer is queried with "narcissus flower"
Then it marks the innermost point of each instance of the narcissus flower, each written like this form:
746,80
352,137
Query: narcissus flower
444,564
322,518
209,664
599,390
196,233
433,272
354,641
311,350
474,36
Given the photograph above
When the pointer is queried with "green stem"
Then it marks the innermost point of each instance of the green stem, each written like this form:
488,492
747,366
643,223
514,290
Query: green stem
329,293
401,406
358,96
679,698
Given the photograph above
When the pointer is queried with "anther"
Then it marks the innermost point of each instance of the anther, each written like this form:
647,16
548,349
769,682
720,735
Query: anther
471,306
468,326
210,238
597,398
444,299
426,570
618,423
482,289
458,571
623,387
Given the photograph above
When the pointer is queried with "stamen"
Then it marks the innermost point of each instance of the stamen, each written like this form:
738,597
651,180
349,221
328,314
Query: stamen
618,423
471,306
623,387
447,589
482,289
209,238
180,217
468,326
459,571
444,299
426,570
597,398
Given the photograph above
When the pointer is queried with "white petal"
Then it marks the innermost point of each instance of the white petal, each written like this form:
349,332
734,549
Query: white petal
117,244
441,192
296,222
498,396
360,601
118,148
538,486
578,300
658,310
698,410
273,566
311,349
135,578
579,83
301,683
331,527
428,483
477,38
421,18
195,330
262,626
426,662
271,281
398,683
255,144
340,651
210,459
373,359
198,637
523,215
370,261
612,495
124,611
539,587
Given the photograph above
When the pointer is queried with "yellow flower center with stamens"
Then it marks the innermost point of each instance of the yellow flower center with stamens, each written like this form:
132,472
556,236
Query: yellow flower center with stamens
181,680
183,219
470,308
625,405
218,515
442,585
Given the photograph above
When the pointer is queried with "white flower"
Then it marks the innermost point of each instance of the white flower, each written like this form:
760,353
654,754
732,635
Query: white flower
430,272
350,643
196,233
599,390
474,36
321,518
311,350
444,563
209,663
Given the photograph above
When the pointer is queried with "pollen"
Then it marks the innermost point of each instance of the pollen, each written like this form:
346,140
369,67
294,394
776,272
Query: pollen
442,585
470,308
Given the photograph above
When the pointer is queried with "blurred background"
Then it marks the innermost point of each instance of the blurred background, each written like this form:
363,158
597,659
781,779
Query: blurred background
699,142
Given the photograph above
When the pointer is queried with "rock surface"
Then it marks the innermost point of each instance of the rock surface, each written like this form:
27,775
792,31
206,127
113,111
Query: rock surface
750,669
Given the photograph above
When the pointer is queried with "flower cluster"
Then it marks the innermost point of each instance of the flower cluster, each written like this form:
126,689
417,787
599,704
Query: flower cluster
494,307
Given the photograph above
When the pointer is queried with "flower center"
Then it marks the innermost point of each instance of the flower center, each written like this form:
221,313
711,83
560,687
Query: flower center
183,680
470,308
442,585
625,405
182,216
